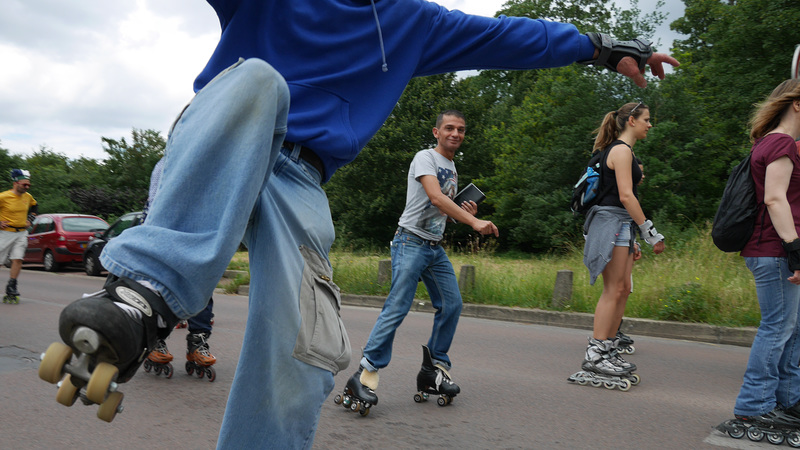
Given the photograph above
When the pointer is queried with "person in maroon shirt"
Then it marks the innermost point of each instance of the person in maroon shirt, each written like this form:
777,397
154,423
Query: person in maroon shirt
769,398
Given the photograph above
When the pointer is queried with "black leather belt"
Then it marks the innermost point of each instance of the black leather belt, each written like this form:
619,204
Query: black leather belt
308,156
14,229
401,230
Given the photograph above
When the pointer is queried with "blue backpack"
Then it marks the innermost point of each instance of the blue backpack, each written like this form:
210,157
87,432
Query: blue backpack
588,191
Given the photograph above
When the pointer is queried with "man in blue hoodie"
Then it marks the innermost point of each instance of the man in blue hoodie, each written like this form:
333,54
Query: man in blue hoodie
242,165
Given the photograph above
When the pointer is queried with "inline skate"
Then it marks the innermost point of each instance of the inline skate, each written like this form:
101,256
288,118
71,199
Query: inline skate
602,368
434,379
159,360
111,332
12,294
776,425
625,341
359,392
198,358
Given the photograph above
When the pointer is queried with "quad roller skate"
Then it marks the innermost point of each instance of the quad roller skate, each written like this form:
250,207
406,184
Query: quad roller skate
777,426
111,332
12,294
434,379
359,392
159,360
604,367
625,341
198,359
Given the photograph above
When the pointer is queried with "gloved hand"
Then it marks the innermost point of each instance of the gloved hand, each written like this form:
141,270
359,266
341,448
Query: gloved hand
649,233
793,253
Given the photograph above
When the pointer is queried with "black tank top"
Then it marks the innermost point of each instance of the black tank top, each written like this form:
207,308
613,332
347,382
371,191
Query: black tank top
609,178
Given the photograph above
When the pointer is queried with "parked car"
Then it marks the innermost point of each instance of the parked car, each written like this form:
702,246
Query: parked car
91,256
58,239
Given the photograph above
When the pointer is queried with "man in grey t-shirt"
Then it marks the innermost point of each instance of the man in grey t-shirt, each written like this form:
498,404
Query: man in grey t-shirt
416,254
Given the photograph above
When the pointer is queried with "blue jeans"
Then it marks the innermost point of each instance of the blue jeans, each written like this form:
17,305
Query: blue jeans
201,323
414,258
772,377
228,180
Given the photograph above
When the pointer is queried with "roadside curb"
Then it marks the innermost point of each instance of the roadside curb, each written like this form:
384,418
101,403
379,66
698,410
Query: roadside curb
645,327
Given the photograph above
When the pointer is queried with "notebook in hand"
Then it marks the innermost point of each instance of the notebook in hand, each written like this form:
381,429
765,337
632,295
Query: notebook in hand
470,192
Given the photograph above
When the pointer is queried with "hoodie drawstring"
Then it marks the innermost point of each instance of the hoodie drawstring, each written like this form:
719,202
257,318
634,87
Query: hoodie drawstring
384,67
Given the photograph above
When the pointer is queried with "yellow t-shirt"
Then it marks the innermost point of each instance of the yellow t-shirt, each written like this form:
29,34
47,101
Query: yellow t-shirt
14,208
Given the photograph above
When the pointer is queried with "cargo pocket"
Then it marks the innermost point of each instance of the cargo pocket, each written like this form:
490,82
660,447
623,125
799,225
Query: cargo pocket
322,341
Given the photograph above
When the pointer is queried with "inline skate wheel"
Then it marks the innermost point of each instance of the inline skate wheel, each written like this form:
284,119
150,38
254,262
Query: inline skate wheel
625,386
168,371
53,361
736,431
109,408
775,438
211,374
754,434
67,392
630,349
100,382
635,379
794,439
148,366
595,383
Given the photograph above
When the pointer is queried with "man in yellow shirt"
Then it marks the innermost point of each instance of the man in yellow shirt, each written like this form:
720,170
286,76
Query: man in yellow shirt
17,210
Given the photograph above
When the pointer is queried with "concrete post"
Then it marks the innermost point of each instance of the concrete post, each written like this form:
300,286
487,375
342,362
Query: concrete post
562,292
466,281
384,271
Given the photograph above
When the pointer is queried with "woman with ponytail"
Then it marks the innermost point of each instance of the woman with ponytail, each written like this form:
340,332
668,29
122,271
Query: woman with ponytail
611,247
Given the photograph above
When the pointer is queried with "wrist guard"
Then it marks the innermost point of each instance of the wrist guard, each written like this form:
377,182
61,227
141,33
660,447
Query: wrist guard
612,51
649,233
793,253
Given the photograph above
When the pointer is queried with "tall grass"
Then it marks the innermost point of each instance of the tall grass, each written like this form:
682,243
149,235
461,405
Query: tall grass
692,281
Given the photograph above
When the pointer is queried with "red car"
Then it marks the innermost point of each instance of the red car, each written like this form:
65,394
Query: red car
58,239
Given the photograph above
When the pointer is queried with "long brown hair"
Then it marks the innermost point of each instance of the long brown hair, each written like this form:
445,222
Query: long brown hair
614,122
768,113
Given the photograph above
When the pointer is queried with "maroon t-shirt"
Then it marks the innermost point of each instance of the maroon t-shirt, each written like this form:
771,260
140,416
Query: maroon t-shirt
765,240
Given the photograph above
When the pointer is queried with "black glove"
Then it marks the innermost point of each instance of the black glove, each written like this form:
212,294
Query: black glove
793,253
612,51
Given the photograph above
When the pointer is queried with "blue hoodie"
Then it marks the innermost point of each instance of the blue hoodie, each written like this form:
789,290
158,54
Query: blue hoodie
329,52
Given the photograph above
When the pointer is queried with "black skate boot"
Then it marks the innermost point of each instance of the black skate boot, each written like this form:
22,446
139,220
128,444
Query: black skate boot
434,379
12,294
625,341
600,368
112,331
614,354
777,425
359,392
198,357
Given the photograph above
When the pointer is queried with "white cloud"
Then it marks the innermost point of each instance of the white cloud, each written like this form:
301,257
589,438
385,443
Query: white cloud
74,72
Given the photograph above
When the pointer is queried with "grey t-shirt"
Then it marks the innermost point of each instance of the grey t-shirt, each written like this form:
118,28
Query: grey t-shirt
420,216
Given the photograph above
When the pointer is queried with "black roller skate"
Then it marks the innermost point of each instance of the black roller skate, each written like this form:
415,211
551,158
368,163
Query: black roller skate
601,368
159,360
112,332
776,425
359,392
625,342
12,294
198,358
434,379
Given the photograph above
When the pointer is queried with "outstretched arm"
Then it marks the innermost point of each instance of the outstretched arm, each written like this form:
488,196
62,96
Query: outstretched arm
628,57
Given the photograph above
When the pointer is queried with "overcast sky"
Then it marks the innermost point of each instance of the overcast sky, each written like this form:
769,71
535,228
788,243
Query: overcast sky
73,72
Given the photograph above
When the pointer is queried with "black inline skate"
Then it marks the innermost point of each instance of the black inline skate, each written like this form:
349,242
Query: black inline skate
776,425
159,360
625,341
112,332
602,368
198,357
359,392
434,379
12,294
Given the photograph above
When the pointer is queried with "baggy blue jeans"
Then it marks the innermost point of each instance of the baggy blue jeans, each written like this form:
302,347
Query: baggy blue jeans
414,258
772,377
228,180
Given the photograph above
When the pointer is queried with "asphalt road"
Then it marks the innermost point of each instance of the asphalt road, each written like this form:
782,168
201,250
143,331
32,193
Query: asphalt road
512,376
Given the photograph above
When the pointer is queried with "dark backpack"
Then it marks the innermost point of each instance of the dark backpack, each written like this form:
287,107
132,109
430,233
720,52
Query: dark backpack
736,214
588,190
